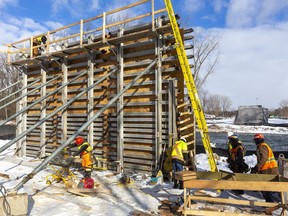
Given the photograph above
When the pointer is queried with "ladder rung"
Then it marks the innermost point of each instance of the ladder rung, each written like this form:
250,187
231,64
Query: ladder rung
183,121
191,142
184,113
186,127
188,135
182,105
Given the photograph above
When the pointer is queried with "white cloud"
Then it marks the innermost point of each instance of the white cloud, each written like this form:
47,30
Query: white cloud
95,5
248,13
53,25
76,8
241,13
193,5
253,64
219,5
4,3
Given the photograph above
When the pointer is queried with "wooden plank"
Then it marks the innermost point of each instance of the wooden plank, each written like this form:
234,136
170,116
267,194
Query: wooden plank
236,185
215,213
240,176
3,175
233,201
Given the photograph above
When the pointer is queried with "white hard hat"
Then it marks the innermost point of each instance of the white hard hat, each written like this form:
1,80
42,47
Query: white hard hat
229,133
183,139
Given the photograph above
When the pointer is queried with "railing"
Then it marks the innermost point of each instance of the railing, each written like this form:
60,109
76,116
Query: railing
79,31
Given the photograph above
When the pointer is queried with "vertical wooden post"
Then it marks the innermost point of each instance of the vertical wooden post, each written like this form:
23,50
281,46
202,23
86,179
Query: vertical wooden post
23,141
158,96
43,115
90,97
104,28
19,122
120,111
153,16
174,108
64,100
31,47
9,54
48,42
172,127
81,33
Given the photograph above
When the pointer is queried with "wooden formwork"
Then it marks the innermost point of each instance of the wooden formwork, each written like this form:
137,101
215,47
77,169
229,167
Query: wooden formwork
134,129
230,181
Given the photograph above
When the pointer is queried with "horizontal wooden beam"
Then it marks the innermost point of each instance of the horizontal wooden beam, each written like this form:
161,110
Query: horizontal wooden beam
214,213
237,185
240,176
233,201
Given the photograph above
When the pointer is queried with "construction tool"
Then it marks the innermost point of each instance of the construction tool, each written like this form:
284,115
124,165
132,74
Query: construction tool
63,174
191,87
159,173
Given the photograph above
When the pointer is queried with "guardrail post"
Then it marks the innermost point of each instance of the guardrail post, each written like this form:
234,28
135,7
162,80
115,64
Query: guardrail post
103,28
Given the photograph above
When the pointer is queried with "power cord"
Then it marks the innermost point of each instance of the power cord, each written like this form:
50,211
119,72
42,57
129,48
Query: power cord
6,206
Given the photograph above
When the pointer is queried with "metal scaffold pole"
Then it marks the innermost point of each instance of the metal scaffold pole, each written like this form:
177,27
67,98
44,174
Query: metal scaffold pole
83,127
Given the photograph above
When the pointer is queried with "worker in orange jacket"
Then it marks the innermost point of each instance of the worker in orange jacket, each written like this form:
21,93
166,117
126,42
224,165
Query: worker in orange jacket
84,150
266,164
179,156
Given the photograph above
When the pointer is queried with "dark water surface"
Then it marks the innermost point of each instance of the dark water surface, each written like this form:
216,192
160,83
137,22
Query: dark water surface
278,142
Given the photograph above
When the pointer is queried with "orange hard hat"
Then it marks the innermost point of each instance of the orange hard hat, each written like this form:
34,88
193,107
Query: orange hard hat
79,140
258,136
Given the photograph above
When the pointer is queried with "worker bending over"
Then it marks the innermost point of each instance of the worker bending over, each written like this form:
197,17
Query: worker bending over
236,159
179,157
84,150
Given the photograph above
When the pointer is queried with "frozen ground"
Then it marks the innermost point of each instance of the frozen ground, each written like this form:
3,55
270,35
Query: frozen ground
116,198
226,125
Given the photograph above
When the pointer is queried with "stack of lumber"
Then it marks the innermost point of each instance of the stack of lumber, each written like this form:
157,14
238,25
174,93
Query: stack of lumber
185,175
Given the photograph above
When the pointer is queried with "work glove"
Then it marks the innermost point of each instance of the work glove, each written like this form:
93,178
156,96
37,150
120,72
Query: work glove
254,170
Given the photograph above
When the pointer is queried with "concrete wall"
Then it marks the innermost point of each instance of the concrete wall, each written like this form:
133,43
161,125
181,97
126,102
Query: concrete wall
251,115
7,131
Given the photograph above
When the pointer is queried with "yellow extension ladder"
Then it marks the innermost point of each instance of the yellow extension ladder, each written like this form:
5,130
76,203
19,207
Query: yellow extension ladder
191,87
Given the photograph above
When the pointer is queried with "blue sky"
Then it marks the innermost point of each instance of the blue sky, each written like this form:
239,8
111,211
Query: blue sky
253,64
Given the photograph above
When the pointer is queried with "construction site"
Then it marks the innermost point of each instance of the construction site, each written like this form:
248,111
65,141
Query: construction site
122,87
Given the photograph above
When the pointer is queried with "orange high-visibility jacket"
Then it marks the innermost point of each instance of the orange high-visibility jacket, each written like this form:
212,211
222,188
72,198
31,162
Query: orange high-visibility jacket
86,156
271,162
234,152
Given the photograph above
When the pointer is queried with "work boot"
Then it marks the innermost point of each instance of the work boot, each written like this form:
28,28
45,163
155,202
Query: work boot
175,184
181,185
238,192
87,174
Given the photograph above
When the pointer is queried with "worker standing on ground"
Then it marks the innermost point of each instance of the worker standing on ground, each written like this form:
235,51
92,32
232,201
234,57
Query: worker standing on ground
266,164
236,161
84,150
179,156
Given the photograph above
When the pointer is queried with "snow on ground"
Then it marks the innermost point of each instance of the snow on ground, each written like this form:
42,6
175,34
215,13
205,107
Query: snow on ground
226,125
116,198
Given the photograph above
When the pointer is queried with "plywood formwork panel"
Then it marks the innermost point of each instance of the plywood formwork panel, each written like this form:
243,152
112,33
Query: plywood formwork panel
141,46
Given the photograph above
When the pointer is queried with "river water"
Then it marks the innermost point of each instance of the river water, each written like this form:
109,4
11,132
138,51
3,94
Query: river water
278,142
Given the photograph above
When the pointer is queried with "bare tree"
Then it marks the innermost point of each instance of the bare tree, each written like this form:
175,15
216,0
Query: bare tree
8,76
118,18
213,105
217,104
206,55
226,104
283,110
283,103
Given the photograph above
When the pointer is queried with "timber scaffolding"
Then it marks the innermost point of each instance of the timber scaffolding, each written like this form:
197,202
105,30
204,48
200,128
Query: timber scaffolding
119,87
